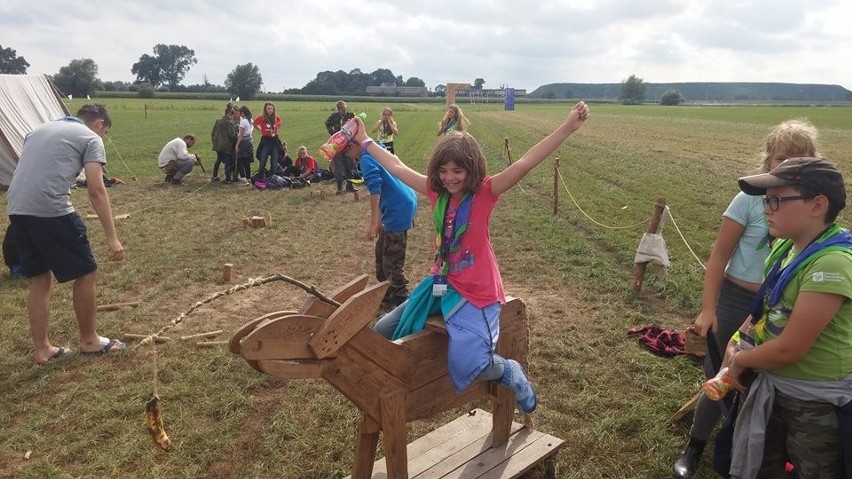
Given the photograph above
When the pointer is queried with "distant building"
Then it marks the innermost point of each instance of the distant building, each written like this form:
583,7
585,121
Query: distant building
393,90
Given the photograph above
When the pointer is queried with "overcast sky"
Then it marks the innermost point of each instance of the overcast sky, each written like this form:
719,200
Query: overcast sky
521,43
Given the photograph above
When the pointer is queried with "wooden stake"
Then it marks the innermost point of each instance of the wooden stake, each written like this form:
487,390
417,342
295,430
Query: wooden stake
653,227
227,269
115,306
210,334
556,186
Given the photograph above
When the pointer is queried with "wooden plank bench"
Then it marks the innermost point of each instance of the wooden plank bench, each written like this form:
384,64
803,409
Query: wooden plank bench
460,449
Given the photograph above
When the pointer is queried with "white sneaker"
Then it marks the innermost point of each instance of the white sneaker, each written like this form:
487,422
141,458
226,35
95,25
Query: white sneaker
242,182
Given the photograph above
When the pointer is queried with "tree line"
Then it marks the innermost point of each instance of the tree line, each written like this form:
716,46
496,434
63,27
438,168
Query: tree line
165,68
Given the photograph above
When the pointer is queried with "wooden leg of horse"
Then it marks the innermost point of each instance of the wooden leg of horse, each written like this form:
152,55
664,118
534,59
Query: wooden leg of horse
365,449
502,413
393,434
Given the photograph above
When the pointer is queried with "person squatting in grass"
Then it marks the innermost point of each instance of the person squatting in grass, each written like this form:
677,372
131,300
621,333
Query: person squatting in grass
464,282
50,236
176,161
393,205
799,405
733,276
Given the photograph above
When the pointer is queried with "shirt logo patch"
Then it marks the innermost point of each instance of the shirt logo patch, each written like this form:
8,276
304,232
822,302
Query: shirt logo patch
827,277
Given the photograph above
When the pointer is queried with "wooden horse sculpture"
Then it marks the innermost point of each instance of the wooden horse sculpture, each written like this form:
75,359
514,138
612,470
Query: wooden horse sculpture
391,382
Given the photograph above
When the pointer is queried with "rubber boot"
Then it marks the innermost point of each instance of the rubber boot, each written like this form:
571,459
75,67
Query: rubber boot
688,461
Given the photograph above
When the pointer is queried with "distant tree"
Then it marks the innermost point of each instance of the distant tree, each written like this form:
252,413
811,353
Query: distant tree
11,63
381,76
168,65
244,81
477,84
440,90
550,95
78,78
672,97
414,81
146,90
116,86
632,91
147,70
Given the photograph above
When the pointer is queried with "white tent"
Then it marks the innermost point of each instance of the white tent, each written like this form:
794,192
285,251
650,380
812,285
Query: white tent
26,101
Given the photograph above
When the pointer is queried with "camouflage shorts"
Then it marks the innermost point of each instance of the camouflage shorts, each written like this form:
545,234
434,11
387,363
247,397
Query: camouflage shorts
807,433
390,261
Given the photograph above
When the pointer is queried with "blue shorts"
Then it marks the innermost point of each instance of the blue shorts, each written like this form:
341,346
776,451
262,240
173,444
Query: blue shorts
57,244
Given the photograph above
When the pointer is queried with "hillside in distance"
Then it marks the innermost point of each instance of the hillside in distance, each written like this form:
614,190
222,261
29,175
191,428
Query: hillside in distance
703,92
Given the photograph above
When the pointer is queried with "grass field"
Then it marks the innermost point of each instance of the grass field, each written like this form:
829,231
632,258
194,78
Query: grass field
602,393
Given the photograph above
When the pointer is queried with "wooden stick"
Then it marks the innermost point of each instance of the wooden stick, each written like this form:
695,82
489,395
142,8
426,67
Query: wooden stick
158,339
211,334
114,306
210,344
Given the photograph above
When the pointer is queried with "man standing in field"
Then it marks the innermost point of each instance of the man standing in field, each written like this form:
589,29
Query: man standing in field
51,237
176,161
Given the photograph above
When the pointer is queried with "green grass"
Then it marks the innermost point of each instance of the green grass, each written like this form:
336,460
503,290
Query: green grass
602,393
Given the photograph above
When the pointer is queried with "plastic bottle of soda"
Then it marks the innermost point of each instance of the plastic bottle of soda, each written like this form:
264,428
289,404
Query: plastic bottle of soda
339,139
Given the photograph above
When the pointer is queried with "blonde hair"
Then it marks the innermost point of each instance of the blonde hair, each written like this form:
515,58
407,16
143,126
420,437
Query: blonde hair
461,121
789,139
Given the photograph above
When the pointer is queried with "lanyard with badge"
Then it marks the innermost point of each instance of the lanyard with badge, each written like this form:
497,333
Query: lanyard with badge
449,242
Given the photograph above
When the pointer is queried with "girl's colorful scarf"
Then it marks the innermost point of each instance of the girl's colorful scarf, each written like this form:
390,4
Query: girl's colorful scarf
444,246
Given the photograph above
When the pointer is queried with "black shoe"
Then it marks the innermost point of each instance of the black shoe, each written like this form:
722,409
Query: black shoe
215,178
688,461
168,179
351,189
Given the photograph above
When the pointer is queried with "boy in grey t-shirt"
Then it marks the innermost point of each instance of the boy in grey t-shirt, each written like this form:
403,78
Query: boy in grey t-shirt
51,238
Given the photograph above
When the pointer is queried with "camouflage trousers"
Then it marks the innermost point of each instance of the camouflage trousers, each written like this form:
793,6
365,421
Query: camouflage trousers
390,261
807,433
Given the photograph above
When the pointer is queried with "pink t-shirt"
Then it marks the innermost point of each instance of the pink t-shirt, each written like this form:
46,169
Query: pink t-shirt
473,268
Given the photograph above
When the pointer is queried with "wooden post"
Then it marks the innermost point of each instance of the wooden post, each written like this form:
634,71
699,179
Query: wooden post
146,111
227,269
653,226
556,186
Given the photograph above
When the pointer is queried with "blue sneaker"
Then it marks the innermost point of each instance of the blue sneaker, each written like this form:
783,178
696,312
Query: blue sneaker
514,377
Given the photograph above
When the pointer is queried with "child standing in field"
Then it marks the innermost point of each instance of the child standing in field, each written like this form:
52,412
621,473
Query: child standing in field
386,128
270,145
464,282
454,120
799,406
393,205
734,273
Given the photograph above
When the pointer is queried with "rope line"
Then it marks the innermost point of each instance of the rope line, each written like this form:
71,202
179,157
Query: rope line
700,263
132,175
589,217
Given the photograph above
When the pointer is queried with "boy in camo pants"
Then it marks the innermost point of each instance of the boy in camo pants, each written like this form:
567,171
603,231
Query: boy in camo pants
799,407
393,205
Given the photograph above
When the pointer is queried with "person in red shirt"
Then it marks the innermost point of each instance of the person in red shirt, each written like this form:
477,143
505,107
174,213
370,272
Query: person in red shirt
269,148
464,283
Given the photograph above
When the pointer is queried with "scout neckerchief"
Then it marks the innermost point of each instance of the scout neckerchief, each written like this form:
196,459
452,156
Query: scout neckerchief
446,245
833,238
450,126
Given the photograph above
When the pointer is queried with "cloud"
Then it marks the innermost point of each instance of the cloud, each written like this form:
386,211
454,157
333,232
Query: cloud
521,44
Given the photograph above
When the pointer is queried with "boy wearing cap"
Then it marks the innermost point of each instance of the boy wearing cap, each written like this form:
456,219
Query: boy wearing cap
799,407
